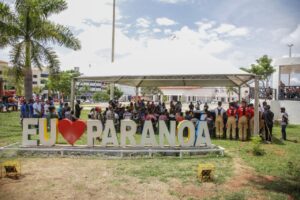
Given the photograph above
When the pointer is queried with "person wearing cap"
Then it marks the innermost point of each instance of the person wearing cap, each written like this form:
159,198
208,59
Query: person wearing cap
268,117
231,121
251,118
284,122
243,121
219,122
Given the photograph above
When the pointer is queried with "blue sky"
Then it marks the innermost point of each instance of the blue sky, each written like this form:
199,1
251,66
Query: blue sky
229,32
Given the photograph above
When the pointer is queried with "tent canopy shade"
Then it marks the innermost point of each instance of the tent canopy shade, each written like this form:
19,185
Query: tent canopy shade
201,80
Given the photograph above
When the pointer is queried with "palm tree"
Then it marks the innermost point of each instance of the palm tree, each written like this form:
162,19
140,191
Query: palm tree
230,91
28,31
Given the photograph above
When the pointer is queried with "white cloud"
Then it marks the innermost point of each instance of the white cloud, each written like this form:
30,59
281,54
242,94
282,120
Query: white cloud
163,21
177,47
295,81
225,28
167,31
172,1
293,37
156,30
78,11
231,30
239,32
142,22
203,26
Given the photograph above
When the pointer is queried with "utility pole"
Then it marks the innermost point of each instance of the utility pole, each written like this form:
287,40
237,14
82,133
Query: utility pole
290,49
113,32
112,85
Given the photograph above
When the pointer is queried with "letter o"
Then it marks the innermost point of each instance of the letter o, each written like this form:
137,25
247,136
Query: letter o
191,128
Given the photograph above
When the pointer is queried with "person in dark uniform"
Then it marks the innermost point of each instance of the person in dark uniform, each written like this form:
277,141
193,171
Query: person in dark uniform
77,109
268,117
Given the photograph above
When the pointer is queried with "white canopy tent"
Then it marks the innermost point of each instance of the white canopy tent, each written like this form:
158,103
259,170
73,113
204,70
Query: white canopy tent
170,73
180,71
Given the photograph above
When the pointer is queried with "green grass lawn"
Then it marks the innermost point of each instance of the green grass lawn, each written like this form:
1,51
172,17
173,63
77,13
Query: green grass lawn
281,160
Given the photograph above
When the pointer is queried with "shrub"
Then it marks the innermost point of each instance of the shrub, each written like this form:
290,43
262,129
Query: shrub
257,150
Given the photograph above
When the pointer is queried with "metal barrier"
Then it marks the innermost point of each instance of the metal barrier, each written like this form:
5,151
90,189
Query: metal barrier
289,93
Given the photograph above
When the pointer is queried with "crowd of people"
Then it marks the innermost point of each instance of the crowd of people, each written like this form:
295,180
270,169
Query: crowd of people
8,103
236,122
289,93
39,108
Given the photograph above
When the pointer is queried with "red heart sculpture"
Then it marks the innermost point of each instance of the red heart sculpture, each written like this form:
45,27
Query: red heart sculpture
71,131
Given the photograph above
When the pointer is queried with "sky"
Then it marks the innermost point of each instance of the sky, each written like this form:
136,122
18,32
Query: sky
231,33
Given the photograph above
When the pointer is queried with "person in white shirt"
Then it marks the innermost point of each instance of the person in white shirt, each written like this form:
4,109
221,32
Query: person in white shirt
46,108
37,108
127,114
219,122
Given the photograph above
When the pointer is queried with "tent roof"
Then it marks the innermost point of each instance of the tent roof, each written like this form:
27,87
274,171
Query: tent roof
180,72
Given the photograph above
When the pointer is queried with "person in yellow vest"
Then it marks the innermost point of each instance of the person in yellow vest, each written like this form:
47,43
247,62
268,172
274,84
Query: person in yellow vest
231,121
243,121
219,121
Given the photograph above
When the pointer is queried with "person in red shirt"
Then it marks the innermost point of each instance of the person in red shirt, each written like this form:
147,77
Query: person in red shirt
243,121
179,117
231,121
251,118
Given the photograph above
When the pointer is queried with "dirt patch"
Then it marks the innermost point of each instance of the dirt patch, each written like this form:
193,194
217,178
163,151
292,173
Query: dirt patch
72,178
65,178
242,178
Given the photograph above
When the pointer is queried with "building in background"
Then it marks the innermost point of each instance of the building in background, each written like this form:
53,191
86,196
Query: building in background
193,94
39,77
3,68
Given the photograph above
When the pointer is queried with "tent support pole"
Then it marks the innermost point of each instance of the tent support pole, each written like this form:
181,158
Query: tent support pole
256,111
136,93
112,91
240,94
73,81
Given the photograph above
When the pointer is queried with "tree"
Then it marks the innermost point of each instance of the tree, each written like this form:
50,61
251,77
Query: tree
117,92
149,91
230,91
263,69
11,82
27,30
100,96
61,82
85,89
37,90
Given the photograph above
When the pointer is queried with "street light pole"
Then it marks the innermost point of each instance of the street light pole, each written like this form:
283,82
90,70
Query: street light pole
113,32
290,49
112,85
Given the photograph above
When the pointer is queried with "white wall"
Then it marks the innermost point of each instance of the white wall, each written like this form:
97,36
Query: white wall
292,108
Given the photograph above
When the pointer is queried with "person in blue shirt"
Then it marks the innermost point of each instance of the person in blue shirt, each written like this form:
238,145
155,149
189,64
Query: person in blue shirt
24,111
30,108
59,111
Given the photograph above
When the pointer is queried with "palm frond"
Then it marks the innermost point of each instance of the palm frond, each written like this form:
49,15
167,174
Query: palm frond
9,28
49,7
17,55
57,34
17,58
48,55
36,57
